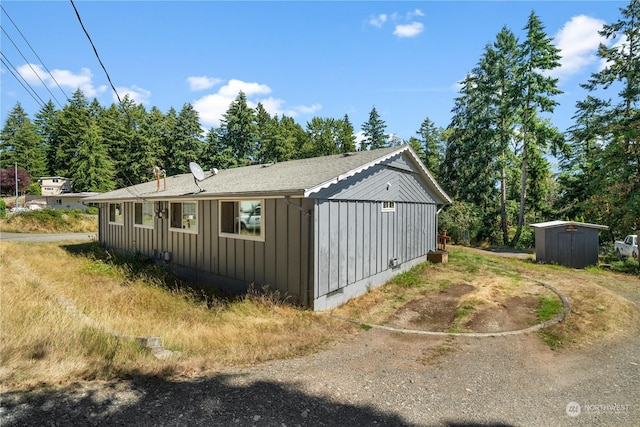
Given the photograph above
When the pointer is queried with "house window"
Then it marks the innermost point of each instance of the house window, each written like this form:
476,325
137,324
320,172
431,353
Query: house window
184,216
58,201
388,206
143,215
116,215
241,219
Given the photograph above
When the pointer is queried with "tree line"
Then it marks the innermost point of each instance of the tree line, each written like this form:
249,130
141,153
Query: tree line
492,158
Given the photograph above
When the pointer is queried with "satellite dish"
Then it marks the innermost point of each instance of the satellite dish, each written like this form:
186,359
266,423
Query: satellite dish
198,174
196,171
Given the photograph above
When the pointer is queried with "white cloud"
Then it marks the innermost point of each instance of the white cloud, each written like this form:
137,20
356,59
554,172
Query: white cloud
378,21
212,107
409,30
202,82
35,74
417,12
135,93
578,42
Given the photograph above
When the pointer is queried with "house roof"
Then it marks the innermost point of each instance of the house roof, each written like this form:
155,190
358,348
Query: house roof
80,195
552,224
293,178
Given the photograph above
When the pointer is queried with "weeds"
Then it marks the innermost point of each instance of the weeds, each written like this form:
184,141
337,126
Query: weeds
550,307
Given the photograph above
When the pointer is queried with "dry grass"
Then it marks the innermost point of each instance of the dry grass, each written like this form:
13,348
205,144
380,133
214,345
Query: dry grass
50,221
44,342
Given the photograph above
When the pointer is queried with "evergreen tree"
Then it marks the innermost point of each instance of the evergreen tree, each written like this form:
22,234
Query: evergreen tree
608,131
72,125
20,142
238,127
430,151
187,145
92,170
323,134
45,122
374,132
538,56
216,153
346,136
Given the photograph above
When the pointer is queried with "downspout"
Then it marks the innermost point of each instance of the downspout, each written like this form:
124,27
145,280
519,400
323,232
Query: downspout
307,213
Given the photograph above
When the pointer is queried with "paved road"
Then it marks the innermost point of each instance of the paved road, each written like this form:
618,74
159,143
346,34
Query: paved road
45,237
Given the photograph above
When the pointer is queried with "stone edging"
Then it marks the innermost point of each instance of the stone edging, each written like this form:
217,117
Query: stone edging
557,319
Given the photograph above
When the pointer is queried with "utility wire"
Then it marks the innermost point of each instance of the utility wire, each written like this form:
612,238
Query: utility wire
95,51
35,53
30,66
129,188
9,66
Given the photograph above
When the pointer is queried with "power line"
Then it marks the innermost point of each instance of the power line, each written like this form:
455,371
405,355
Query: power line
21,80
129,188
35,53
30,66
95,51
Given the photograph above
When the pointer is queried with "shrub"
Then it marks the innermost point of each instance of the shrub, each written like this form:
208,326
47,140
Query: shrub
33,188
3,209
92,210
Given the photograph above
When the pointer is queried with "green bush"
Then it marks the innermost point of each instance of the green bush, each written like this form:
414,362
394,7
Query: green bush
33,188
3,209
92,210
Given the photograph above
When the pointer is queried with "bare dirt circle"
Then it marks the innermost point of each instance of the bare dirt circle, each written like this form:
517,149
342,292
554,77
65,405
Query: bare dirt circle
454,309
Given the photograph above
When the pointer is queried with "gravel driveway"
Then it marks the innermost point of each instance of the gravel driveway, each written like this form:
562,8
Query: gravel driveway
375,377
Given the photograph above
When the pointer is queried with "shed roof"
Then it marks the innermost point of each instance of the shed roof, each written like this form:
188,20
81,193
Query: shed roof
552,224
295,178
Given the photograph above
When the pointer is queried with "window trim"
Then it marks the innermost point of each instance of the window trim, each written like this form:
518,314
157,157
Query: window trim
182,230
258,238
115,221
153,215
390,206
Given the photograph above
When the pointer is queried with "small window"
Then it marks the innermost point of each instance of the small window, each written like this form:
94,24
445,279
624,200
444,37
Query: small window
116,216
58,201
241,219
184,216
388,206
143,213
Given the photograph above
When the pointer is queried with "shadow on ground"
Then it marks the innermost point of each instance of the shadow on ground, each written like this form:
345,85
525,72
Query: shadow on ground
222,400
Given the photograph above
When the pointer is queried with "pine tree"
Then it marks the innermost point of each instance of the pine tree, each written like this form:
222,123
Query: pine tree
45,122
346,136
186,144
374,132
538,56
430,146
613,164
238,127
20,143
72,124
92,170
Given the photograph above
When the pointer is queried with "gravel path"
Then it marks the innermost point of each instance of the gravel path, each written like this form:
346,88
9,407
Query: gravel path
375,377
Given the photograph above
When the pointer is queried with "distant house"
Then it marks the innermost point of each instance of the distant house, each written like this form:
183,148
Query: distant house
569,243
69,200
52,185
321,230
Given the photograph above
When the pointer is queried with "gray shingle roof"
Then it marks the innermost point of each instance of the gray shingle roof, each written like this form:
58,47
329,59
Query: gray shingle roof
294,178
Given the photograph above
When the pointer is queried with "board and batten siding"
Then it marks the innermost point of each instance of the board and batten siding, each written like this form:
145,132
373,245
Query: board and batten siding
281,261
356,240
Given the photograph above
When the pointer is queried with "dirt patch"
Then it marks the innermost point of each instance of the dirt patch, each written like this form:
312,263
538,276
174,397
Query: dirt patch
434,313
513,314
449,309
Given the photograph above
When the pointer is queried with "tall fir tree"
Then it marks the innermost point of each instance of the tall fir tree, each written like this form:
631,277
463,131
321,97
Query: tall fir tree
238,127
45,122
346,136
20,143
92,169
374,132
537,88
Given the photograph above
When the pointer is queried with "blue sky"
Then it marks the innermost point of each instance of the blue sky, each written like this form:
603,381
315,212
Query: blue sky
299,58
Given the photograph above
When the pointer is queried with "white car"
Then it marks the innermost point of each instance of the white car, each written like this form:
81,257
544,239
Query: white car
251,220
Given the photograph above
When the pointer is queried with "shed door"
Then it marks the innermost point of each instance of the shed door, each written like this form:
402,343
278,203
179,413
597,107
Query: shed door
571,252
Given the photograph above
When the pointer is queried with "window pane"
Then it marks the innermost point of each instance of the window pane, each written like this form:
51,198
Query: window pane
176,215
137,214
227,217
189,219
147,214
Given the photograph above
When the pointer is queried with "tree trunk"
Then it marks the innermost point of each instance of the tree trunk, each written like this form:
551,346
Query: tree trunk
503,206
523,192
